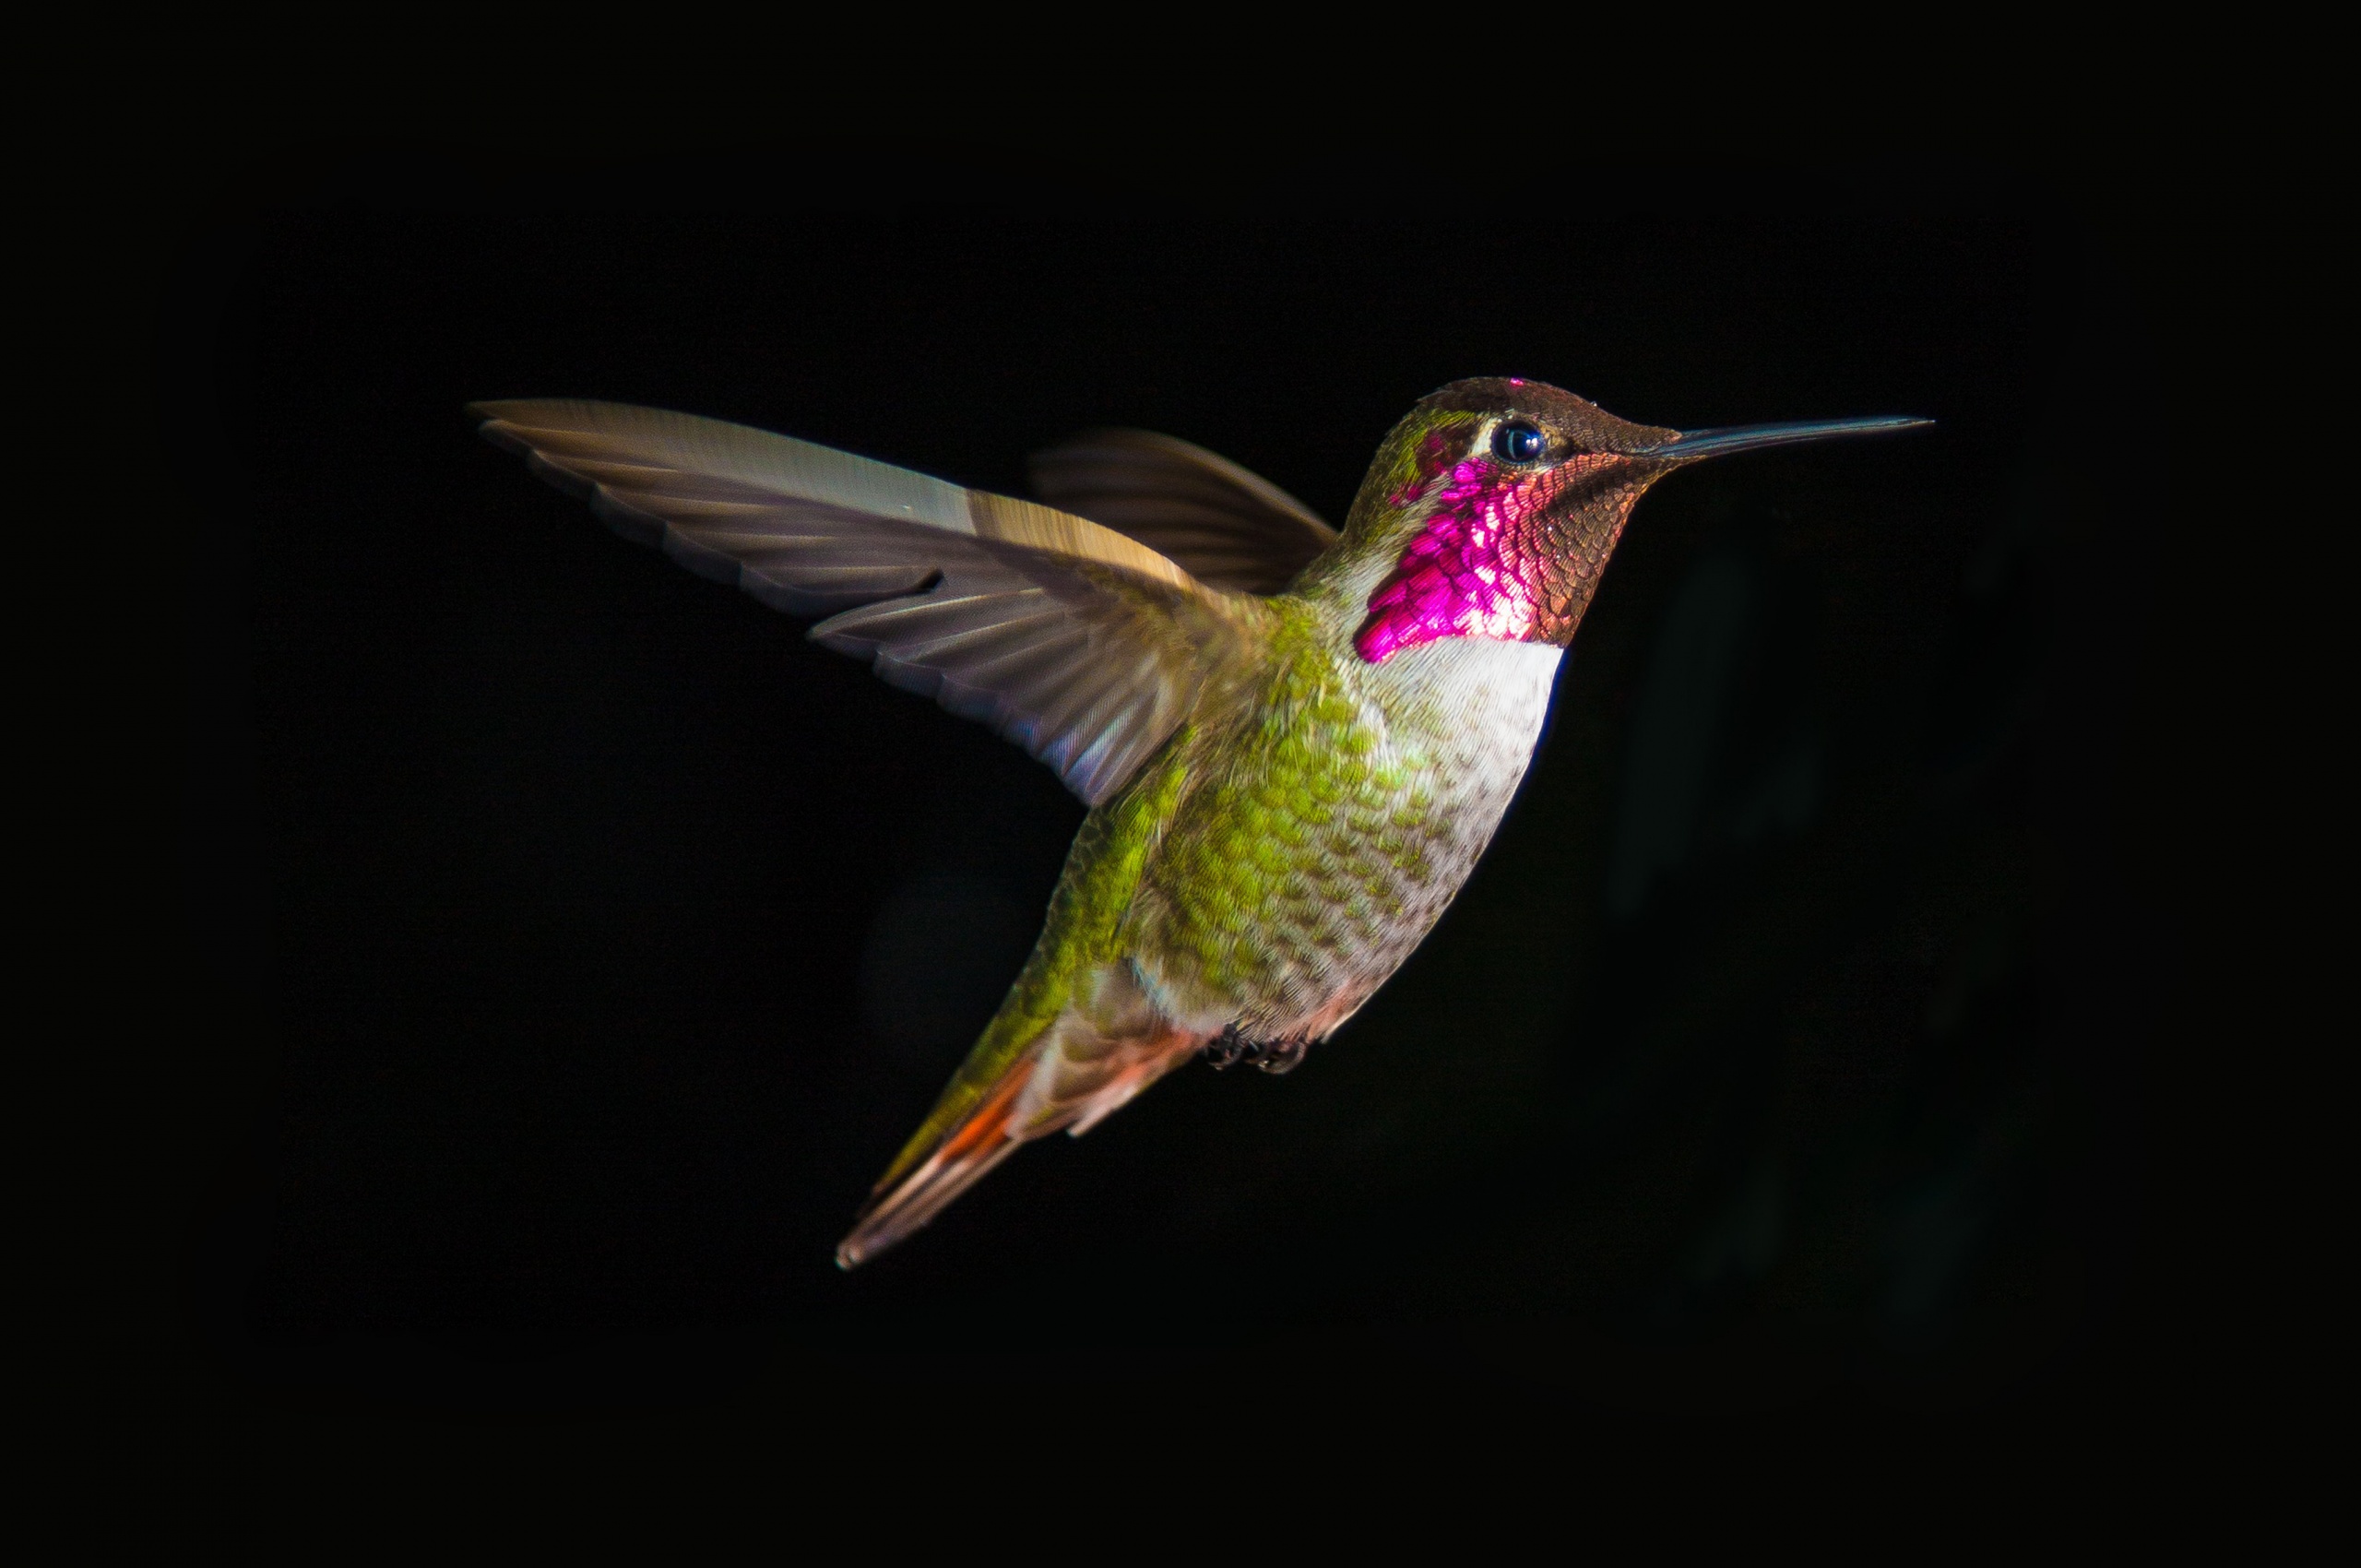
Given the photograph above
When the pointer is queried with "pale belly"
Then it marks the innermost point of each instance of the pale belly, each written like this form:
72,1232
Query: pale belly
1322,837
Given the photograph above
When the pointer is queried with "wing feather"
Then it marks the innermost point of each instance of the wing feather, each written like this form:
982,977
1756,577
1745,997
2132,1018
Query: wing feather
1228,526
1084,645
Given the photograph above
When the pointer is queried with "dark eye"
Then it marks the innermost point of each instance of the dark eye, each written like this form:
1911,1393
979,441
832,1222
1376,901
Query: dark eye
1519,441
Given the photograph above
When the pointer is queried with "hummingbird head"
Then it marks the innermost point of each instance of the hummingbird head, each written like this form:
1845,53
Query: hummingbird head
1492,506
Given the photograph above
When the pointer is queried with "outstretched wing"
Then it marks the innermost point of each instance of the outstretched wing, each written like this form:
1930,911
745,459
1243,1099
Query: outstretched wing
1228,526
1083,646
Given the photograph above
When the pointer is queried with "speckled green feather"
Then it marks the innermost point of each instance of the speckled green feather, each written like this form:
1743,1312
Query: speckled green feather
1301,811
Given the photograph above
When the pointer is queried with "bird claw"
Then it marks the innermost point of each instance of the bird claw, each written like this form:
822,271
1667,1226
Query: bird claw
1230,1048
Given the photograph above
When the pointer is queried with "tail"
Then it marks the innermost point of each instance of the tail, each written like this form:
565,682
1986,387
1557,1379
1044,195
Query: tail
1070,1076
895,1208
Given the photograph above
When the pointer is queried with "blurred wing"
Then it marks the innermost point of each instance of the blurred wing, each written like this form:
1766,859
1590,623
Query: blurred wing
1083,646
1228,526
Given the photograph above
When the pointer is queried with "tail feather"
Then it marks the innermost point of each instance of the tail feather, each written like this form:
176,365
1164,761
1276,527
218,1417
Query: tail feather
1071,1078
987,1138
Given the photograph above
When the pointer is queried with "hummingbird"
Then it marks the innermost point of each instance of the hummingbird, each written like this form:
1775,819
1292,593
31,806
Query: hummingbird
1294,741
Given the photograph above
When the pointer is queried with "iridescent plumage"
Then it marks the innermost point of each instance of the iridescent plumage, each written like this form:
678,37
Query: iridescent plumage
1295,743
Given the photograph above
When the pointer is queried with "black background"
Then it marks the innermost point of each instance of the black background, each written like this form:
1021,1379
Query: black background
574,943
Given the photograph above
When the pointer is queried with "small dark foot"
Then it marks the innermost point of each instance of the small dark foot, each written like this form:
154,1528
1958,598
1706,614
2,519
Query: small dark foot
1271,1055
1281,1055
1224,1050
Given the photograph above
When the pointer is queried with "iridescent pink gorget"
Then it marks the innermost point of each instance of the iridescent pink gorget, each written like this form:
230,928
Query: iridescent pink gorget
1477,568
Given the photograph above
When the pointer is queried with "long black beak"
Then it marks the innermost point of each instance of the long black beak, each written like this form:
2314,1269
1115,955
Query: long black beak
1693,443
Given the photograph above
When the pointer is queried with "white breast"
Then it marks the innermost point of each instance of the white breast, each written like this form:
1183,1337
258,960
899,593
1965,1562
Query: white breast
1477,702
